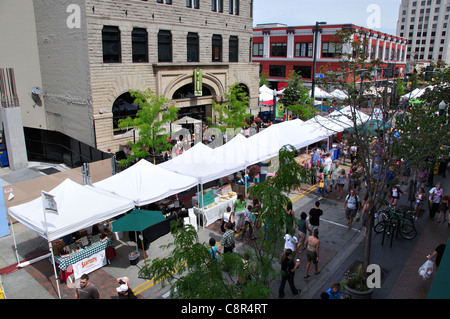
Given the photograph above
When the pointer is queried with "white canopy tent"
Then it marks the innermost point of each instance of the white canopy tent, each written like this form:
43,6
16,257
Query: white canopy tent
78,206
265,93
145,183
339,95
416,93
203,163
320,94
187,120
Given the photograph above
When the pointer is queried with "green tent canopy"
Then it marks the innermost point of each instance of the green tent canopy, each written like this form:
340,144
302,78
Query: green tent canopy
370,127
137,220
416,101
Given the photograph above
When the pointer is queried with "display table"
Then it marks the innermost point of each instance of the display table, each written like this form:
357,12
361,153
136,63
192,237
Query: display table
85,260
213,212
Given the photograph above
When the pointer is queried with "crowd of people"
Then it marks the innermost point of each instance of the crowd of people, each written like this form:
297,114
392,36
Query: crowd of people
343,177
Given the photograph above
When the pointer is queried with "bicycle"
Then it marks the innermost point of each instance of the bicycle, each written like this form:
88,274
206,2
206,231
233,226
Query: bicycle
396,220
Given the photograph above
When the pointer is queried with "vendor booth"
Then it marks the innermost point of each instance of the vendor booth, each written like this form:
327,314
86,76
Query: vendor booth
145,183
214,205
64,210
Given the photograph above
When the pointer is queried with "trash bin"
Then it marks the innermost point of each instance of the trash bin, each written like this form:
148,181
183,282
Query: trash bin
133,257
3,156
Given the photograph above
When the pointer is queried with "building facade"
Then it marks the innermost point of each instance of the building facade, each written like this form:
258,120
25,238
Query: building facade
281,49
425,24
92,52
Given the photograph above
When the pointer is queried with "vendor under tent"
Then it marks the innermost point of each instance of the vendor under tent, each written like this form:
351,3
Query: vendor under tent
137,220
77,207
145,183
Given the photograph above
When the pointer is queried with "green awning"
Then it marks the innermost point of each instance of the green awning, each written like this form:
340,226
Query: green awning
370,127
137,220
416,101
441,283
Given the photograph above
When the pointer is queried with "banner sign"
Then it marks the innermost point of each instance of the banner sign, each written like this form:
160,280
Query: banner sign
207,197
89,264
279,110
198,82
226,189
49,203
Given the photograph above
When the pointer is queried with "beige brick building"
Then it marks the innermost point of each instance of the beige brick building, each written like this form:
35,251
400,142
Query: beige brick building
92,52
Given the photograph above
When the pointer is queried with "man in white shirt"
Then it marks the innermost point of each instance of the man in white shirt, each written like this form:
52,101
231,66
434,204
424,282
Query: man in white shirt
291,242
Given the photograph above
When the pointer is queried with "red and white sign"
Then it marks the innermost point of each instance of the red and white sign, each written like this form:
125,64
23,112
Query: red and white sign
90,264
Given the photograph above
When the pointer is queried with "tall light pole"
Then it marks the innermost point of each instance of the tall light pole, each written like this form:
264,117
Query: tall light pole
316,32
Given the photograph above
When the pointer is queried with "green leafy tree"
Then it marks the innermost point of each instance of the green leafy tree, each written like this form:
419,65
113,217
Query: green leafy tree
411,136
233,113
263,79
296,98
191,273
149,123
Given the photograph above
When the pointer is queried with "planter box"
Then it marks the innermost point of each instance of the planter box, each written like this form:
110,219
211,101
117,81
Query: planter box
359,294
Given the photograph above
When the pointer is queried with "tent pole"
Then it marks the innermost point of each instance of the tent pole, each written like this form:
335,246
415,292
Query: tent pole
50,246
54,266
245,182
14,239
202,200
198,205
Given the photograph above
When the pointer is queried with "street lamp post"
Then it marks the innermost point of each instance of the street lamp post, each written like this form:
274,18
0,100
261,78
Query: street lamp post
316,32
274,106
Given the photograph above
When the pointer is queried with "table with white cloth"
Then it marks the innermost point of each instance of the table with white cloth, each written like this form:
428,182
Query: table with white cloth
209,214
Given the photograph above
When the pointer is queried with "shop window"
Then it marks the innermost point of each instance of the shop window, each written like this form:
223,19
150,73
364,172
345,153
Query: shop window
192,47
258,49
111,44
278,49
216,48
233,49
331,49
139,43
304,71
277,70
303,49
164,46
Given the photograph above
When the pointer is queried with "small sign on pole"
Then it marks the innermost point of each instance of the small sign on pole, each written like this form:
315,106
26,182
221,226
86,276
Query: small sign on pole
49,203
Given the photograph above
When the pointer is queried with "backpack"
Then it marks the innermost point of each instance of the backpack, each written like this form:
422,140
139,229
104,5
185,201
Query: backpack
358,203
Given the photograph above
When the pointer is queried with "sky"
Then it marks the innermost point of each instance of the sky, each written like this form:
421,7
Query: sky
379,15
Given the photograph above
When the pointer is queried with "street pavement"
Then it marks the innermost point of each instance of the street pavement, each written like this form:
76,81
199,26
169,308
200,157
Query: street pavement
340,247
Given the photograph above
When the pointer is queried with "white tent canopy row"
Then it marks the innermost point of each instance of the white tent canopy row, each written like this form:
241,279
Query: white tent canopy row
145,183
416,93
208,164
82,206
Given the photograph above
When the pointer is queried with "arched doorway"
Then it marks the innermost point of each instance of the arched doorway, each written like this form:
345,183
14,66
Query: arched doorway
123,107
187,91
197,107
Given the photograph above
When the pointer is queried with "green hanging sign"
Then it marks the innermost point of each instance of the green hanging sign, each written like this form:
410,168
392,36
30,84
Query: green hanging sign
279,110
198,82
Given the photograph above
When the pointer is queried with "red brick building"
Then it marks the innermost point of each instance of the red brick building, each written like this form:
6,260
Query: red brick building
281,49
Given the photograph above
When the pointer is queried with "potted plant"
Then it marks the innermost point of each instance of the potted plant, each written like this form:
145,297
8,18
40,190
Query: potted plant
355,283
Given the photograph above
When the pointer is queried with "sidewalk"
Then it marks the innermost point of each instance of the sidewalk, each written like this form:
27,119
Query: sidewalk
340,247
401,263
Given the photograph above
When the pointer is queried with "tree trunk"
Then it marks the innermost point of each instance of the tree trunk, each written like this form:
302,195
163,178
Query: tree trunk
368,240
